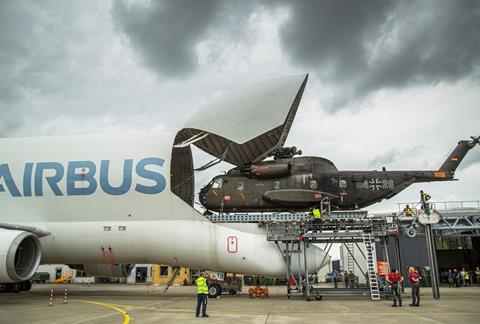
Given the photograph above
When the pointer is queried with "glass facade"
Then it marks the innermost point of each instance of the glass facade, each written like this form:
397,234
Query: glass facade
453,243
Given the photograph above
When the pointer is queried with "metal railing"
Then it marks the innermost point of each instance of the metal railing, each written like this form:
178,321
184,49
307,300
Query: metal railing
444,205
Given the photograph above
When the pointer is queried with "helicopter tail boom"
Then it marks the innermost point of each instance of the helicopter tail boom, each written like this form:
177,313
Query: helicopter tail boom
457,155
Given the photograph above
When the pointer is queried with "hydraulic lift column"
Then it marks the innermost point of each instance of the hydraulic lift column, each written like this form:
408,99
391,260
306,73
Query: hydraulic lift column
432,258
307,285
427,218
398,259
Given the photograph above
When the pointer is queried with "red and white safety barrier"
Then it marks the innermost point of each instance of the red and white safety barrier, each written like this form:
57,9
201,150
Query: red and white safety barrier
50,304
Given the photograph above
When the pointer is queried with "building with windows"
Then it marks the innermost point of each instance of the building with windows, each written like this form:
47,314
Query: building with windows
453,252
158,275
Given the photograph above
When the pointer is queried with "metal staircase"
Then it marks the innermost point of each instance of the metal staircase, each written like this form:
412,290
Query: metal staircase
371,266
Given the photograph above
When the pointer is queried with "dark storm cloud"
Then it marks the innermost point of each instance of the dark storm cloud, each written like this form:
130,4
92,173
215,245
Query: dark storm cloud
330,35
364,46
167,32
355,47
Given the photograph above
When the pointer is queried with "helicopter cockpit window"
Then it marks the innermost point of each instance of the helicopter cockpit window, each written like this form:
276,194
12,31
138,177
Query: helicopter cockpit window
276,185
217,183
240,186
342,184
313,184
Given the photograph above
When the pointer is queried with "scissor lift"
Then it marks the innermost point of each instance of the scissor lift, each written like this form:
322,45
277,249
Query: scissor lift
350,227
293,232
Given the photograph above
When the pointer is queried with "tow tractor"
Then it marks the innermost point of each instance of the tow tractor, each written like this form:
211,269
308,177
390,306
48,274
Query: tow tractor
219,283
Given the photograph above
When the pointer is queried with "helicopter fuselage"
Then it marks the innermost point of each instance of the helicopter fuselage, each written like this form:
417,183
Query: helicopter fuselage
302,182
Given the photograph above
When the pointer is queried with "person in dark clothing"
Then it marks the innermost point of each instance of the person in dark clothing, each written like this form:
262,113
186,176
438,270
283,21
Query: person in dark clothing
335,278
450,278
456,278
395,279
424,198
477,275
415,282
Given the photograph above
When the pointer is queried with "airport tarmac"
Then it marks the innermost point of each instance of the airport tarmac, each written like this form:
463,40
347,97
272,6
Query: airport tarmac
119,303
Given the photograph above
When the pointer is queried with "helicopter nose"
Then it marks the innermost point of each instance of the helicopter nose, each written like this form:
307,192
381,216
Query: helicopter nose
203,194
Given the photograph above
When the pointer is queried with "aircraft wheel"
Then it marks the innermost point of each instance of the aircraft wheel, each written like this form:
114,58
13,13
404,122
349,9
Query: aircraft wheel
214,291
16,287
26,285
318,297
411,232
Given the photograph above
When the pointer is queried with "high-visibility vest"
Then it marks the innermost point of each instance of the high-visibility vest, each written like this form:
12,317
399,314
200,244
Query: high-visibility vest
316,213
202,287
408,211
426,197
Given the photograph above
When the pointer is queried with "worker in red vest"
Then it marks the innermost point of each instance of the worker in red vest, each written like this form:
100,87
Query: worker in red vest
395,279
415,281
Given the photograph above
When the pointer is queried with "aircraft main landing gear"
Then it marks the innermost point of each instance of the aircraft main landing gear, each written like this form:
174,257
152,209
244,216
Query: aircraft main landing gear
15,287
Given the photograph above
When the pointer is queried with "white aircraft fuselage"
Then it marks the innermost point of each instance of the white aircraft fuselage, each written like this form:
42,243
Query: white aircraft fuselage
108,200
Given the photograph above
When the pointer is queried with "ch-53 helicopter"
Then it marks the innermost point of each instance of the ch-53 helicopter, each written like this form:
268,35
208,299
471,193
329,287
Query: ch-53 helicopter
289,183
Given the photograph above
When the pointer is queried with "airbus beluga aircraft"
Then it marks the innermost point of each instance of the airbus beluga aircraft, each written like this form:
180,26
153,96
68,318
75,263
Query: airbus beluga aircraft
102,203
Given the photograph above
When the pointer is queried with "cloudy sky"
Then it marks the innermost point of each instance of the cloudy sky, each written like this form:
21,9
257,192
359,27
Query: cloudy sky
392,83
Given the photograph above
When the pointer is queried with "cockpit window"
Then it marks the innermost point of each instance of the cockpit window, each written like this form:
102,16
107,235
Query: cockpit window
217,183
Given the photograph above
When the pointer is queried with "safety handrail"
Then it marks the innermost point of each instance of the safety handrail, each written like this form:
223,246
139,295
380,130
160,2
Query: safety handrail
447,205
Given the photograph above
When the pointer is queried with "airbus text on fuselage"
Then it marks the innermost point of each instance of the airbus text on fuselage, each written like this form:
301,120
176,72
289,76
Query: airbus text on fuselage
82,178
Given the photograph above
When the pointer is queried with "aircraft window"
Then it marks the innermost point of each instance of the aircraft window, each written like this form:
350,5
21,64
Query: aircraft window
342,184
313,184
107,228
276,185
122,228
217,183
164,270
80,274
240,186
